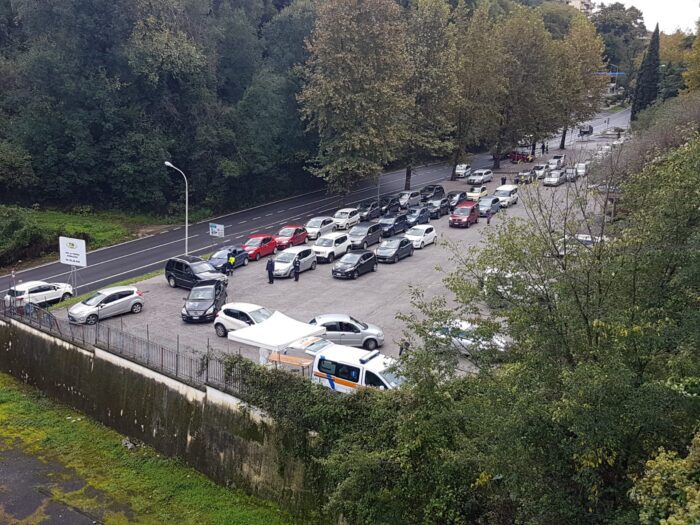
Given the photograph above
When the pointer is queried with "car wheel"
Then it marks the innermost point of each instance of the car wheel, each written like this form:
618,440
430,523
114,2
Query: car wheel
66,296
245,261
355,274
370,344
467,224
171,282
396,258
313,265
306,240
257,256
374,268
331,256
410,254
91,319
220,330
421,245
136,308
274,250
364,245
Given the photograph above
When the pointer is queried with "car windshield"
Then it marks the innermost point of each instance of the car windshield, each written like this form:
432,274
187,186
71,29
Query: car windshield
558,157
404,195
462,211
436,203
260,315
324,242
341,214
502,193
202,267
539,167
254,241
413,212
286,232
387,220
350,258
363,325
285,257
393,243
94,300
201,293
386,200
222,254
366,205
314,223
475,189
416,231
393,379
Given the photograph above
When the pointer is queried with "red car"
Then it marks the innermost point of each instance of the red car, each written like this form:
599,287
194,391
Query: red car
259,245
464,215
519,156
291,235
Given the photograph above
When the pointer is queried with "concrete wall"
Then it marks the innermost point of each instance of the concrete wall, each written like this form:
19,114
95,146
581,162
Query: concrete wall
212,431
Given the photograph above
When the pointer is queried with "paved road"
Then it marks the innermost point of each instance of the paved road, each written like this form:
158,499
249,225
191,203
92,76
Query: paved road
133,258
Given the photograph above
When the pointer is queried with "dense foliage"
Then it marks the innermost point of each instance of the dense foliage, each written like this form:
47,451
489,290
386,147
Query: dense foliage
647,88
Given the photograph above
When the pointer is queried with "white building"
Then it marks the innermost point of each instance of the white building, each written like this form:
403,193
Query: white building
585,6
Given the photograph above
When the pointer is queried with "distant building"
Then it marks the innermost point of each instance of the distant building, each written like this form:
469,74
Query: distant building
585,6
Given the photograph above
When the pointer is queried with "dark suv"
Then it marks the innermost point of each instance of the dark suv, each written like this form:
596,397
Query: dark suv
393,224
186,271
204,302
432,192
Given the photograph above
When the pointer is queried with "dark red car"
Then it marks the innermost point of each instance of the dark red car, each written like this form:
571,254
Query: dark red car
464,215
259,245
291,235
519,156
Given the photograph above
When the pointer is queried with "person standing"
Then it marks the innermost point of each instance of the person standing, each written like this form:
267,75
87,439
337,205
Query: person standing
546,147
542,148
296,267
270,267
504,179
488,216
231,263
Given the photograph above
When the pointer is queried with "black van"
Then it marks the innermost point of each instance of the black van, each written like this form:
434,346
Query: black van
186,271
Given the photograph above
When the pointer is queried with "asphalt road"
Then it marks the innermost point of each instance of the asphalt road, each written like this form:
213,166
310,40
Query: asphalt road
140,256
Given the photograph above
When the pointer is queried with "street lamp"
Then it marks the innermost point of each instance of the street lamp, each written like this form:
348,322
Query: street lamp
187,202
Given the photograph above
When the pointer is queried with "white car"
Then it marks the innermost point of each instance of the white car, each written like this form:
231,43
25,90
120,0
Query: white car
466,339
463,170
38,292
332,245
507,195
421,235
234,316
346,218
541,170
582,168
554,178
480,177
318,226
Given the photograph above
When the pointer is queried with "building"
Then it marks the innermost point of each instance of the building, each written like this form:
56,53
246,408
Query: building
585,6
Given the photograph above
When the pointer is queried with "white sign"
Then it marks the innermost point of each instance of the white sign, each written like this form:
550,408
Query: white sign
72,251
216,230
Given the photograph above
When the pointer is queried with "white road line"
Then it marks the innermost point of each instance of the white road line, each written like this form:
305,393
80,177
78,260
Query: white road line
242,222
255,218
268,214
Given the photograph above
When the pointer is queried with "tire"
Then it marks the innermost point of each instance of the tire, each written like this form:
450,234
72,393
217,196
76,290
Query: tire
467,224
396,258
136,308
306,239
220,330
274,250
257,256
364,245
370,344
331,256
172,282
313,265
355,274
91,319
374,268
410,254
421,245
245,261
66,296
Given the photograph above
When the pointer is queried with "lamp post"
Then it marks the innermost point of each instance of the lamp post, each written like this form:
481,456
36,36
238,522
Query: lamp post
187,203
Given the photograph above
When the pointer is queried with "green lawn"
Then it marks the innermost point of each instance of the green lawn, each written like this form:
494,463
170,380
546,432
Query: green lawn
152,488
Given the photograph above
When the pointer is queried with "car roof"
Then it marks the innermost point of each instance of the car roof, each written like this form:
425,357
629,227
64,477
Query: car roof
507,187
296,249
187,258
116,289
347,209
291,226
352,356
29,284
332,235
423,226
470,204
320,217
243,307
325,318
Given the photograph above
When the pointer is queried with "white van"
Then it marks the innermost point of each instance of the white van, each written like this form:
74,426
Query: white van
507,195
343,368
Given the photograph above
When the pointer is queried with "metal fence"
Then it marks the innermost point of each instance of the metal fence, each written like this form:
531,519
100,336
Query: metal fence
183,363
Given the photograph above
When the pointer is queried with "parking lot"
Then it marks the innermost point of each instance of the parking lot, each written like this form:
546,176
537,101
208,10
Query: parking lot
375,297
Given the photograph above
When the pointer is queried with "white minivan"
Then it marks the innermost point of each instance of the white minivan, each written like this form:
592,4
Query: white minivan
507,195
344,368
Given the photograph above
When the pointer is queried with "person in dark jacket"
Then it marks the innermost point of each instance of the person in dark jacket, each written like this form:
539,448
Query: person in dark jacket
543,148
270,267
504,179
296,267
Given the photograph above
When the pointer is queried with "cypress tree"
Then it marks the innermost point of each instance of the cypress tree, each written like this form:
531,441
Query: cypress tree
648,79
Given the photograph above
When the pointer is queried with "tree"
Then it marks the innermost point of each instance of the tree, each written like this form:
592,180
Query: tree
647,88
692,75
557,18
355,95
432,84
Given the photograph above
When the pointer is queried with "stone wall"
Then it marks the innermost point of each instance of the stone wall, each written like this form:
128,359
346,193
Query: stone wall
214,432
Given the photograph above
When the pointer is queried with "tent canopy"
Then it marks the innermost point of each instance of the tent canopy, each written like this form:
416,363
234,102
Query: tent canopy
275,333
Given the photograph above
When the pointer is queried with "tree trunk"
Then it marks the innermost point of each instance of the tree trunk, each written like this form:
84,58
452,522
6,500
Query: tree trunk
562,144
455,158
534,147
407,184
497,157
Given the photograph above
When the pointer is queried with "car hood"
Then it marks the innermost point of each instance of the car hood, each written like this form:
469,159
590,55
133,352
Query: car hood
198,306
344,266
209,276
414,237
279,265
322,249
216,261
283,239
386,251
81,309
386,226
357,235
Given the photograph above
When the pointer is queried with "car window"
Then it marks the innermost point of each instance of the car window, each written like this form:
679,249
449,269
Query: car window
373,380
332,326
124,294
110,298
429,230
349,327
340,370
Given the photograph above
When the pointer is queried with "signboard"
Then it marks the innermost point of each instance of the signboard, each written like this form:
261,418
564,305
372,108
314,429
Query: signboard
72,251
216,230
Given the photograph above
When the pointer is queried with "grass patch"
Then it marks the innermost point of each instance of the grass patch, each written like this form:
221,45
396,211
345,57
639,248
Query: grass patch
150,488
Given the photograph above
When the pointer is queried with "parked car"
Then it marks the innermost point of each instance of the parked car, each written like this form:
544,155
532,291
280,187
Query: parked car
393,250
105,303
520,156
431,192
353,264
369,210
456,198
540,171
346,218
438,207
343,369
559,160
318,226
291,235
582,168
463,170
554,178
464,215
421,235
234,316
571,244
389,204
467,339
507,194
345,330
417,215
524,177
571,174
364,235
259,245
220,258
476,192
204,302
489,203
38,292
409,198
393,224
331,245
186,271
480,177
284,262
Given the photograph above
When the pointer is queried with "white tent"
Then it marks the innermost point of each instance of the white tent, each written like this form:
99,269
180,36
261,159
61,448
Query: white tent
275,333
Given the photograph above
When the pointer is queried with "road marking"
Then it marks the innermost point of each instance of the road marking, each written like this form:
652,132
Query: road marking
268,214
255,218
242,222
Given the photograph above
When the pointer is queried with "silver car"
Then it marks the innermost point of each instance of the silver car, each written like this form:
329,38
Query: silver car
409,198
106,303
345,330
319,226
364,235
284,262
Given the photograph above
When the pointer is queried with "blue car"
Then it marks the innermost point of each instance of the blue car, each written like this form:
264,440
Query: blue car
417,215
220,258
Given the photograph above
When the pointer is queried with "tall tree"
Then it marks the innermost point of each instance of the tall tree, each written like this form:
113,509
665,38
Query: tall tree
692,75
355,94
647,88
